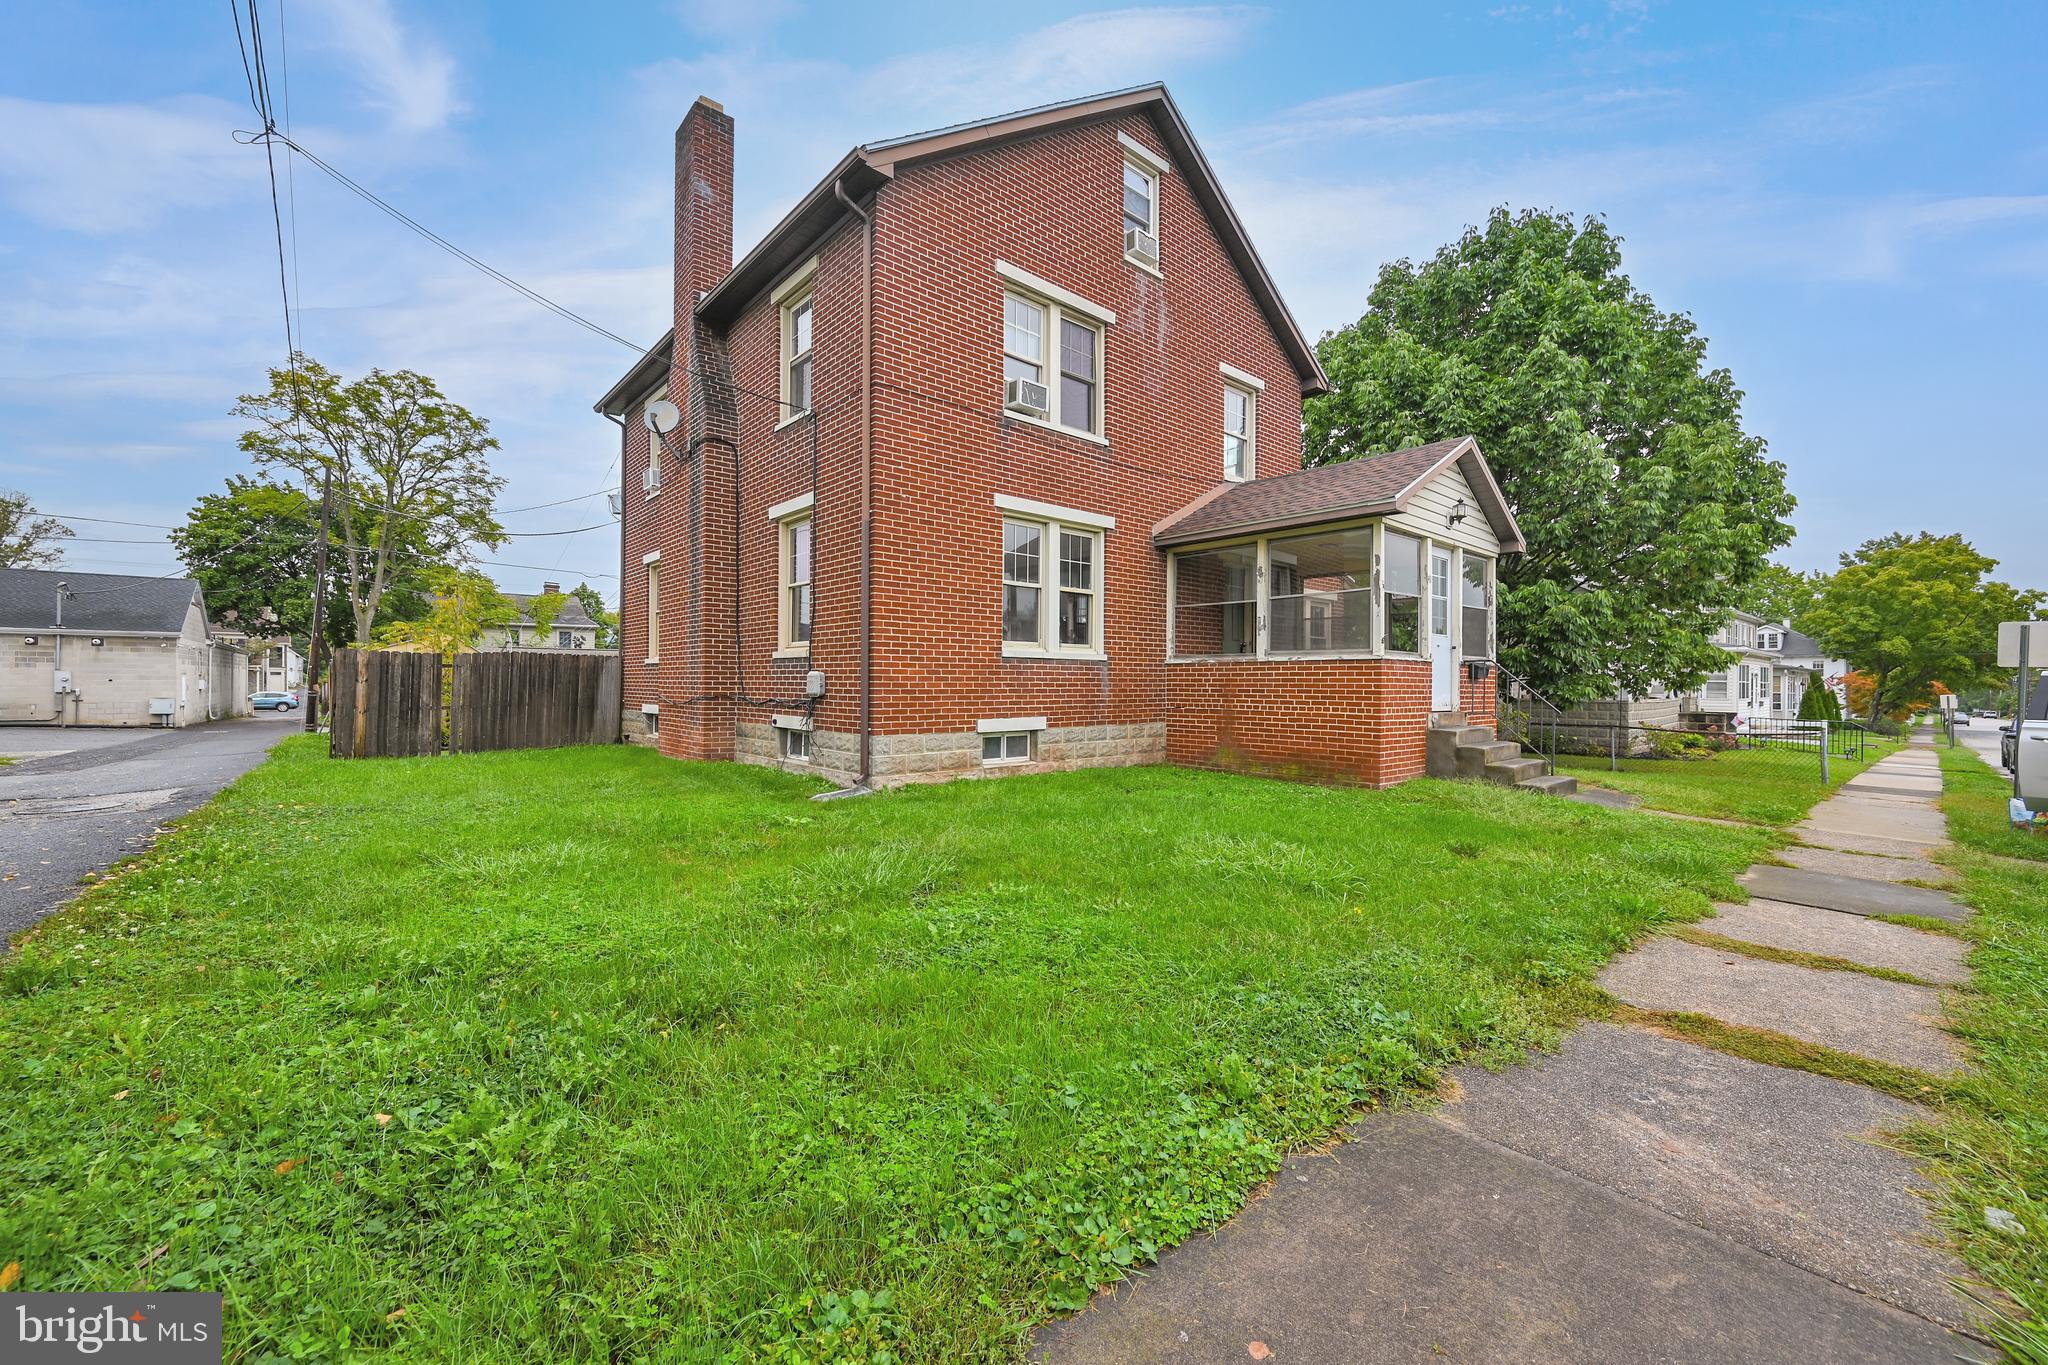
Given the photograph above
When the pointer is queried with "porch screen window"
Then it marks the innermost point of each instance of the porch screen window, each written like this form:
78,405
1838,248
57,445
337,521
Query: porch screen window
1321,598
1478,621
1216,601
1440,594
1404,593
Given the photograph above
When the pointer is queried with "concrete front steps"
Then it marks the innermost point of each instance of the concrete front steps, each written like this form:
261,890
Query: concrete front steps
1457,749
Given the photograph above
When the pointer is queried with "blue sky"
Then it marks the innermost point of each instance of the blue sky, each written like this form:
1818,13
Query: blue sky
1851,200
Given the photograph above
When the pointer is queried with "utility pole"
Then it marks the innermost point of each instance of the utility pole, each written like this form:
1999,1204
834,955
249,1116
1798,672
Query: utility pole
319,606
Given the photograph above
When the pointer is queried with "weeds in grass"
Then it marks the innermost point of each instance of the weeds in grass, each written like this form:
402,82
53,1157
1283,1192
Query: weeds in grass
1765,952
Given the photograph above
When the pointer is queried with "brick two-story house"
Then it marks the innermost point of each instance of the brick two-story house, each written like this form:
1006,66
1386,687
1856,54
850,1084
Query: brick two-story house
988,458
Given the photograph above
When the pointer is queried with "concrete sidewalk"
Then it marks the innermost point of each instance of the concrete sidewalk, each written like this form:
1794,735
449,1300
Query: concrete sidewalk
1633,1197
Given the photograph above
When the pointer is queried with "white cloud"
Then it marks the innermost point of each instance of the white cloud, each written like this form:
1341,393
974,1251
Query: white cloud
404,74
1083,55
104,168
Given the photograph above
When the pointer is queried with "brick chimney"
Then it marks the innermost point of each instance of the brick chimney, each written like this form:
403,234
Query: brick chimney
697,519
550,588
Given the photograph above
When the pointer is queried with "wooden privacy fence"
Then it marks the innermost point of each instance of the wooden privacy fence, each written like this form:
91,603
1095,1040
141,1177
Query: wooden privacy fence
389,704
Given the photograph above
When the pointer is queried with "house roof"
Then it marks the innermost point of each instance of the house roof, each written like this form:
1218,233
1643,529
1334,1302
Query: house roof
573,613
1372,485
107,603
869,166
1801,646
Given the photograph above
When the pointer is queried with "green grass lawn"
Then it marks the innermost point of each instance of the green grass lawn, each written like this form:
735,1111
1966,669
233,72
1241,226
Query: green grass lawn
1760,786
592,1055
1992,1143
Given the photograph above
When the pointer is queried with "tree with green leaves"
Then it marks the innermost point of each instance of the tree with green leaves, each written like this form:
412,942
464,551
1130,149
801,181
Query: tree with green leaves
1784,595
251,550
1648,510
465,604
594,608
1909,613
410,470
28,540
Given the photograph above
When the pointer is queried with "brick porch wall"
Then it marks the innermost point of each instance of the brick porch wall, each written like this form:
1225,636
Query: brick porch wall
1355,721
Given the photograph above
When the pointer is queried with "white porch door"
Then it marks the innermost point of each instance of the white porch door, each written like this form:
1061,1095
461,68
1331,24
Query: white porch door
1443,668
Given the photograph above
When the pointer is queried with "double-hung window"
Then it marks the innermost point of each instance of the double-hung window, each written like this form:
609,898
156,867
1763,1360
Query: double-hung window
1142,170
1052,588
1035,336
654,611
793,574
1238,431
1052,353
793,300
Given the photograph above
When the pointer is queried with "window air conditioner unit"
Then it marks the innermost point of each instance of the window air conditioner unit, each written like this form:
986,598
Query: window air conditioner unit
1021,395
650,479
1141,245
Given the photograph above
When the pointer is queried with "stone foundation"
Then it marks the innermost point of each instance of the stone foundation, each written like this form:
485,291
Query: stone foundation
835,755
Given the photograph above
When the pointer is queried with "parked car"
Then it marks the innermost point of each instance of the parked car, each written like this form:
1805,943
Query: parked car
1962,717
273,701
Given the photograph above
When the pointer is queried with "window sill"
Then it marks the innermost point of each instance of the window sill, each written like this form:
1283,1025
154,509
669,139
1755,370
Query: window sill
792,652
1046,425
651,662
1144,265
796,417
1078,656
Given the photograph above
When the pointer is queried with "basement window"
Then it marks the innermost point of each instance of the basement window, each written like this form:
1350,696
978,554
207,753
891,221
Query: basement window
795,745
1009,748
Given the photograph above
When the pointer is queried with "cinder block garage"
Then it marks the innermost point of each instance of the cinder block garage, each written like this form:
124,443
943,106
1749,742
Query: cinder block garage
112,649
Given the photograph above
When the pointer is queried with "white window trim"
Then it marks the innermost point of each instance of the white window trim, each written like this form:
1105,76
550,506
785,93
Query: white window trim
783,511
794,513
1251,427
1049,292
651,557
1244,379
1029,507
1143,155
1054,313
1009,725
786,296
1049,583
651,573
1032,734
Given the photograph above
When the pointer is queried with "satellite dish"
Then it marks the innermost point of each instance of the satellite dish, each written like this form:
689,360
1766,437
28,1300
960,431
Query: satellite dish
661,416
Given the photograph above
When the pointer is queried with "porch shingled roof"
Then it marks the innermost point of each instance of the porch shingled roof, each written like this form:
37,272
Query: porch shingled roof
1371,485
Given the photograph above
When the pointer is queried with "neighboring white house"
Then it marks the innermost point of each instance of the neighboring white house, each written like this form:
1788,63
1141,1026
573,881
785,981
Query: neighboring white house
112,649
573,629
1768,674
274,665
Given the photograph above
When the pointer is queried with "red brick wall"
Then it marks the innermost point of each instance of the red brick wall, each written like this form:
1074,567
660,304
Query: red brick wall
1328,720
943,450
1051,205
